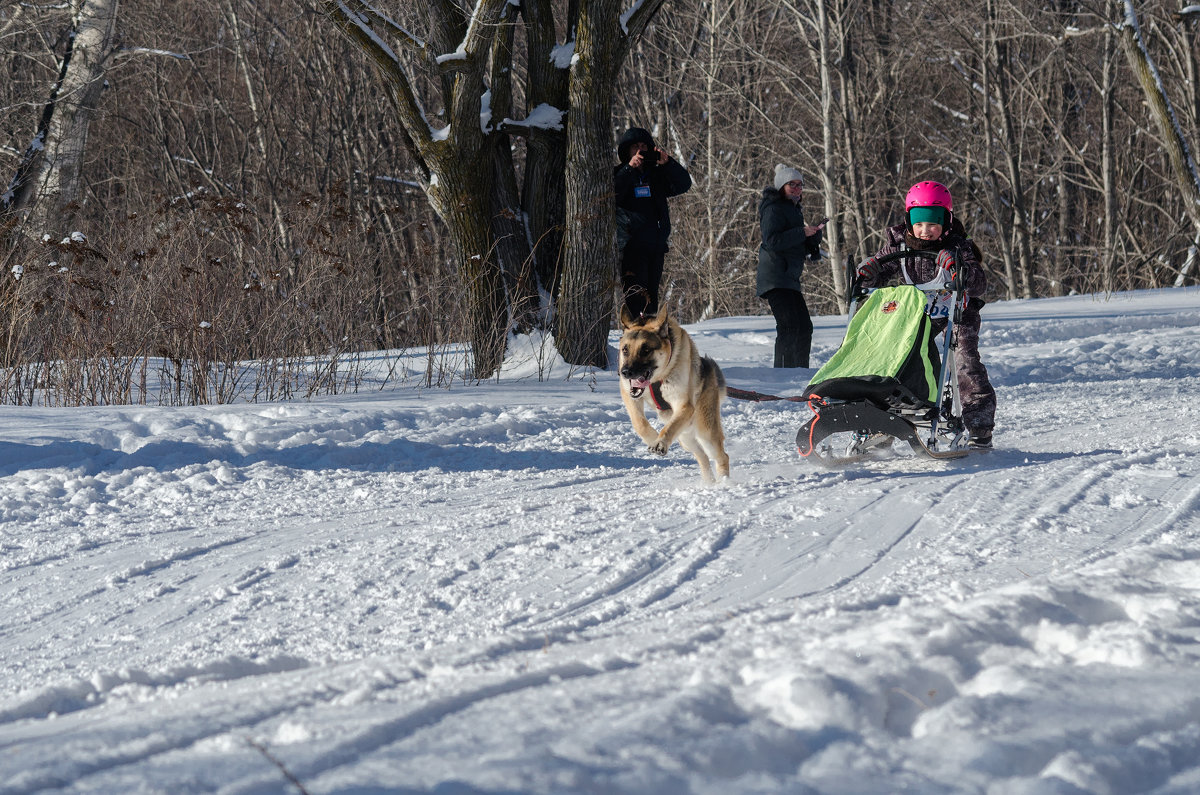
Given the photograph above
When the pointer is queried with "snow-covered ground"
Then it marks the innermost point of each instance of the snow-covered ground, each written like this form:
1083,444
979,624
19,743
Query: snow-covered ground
495,589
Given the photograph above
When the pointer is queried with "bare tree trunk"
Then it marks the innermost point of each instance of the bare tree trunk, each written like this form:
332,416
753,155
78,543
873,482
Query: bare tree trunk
1064,258
855,201
461,174
710,159
1108,246
1187,180
1003,217
1187,42
1064,195
49,178
260,137
829,184
544,190
508,217
1189,262
585,301
588,287
467,214
1012,159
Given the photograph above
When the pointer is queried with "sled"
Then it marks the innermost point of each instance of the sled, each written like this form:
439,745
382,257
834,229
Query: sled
893,378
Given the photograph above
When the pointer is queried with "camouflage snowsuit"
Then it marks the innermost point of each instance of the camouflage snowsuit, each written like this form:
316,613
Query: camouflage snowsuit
978,396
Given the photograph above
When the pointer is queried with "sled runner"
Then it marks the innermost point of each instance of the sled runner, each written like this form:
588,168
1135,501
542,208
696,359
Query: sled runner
893,377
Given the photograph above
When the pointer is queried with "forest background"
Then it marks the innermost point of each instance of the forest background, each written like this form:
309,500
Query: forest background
196,184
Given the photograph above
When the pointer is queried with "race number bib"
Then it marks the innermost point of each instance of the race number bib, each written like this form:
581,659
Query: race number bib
939,304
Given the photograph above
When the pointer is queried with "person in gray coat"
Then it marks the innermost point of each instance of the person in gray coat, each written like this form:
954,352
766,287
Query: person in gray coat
786,243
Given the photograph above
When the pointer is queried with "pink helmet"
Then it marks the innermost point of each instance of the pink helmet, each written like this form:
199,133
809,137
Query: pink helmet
928,194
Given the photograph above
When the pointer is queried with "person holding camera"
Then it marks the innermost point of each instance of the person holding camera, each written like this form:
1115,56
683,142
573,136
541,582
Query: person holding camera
644,179
786,243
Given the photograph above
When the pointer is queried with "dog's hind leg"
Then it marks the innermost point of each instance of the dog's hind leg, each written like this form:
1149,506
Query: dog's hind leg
689,442
710,435
715,448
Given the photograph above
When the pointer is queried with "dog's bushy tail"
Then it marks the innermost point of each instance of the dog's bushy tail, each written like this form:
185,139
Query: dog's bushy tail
710,369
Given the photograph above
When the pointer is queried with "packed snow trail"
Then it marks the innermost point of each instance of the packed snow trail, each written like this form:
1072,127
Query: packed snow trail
495,588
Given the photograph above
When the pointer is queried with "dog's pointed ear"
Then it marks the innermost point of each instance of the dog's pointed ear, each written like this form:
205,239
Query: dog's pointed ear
624,317
660,324
653,323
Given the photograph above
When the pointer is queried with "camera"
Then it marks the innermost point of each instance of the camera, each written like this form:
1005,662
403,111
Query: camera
649,158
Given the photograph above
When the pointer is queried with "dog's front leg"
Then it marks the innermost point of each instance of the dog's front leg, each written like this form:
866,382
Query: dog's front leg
680,418
637,415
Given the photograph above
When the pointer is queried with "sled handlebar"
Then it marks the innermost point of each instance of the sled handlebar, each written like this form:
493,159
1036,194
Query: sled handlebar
940,282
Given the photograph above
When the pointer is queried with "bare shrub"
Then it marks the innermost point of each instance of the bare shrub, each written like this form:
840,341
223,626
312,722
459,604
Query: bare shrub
186,306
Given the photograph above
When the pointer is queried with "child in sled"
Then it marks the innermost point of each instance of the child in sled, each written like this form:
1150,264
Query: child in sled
930,225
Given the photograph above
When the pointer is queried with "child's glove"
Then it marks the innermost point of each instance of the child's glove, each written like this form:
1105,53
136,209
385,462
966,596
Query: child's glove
947,260
868,270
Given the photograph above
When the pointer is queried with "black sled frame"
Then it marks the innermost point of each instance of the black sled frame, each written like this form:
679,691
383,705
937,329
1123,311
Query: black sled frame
843,431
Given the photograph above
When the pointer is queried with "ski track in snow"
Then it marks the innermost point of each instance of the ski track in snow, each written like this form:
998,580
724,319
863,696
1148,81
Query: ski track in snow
434,589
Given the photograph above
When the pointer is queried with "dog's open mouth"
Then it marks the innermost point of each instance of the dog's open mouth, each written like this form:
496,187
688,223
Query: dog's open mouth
637,386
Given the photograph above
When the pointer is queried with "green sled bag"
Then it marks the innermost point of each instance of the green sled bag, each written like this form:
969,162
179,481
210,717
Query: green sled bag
889,356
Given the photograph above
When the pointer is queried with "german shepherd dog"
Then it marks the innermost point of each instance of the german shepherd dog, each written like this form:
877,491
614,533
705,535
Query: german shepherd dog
658,360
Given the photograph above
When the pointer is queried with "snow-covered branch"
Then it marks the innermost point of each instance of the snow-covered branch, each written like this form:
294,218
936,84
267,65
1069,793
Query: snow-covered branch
480,31
635,18
543,117
374,17
1072,32
357,20
127,52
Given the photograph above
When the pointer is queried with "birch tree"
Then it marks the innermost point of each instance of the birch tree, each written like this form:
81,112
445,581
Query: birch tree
830,115
49,175
1183,167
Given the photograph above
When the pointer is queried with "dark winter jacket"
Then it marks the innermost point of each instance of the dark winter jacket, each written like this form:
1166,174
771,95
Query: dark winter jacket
784,245
923,269
644,220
